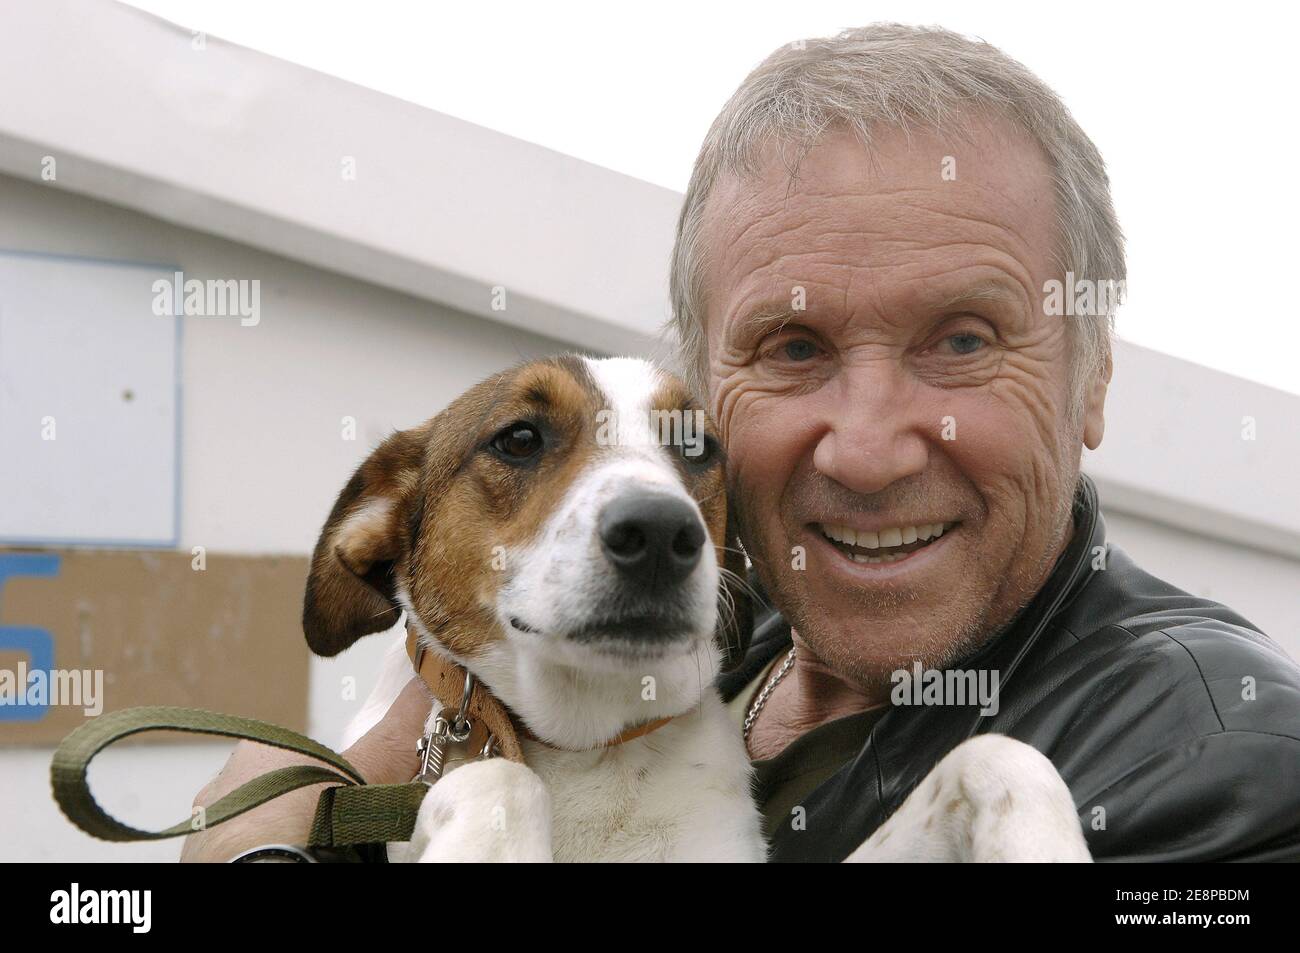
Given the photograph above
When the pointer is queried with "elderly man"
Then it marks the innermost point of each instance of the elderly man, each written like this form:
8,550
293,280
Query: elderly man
863,286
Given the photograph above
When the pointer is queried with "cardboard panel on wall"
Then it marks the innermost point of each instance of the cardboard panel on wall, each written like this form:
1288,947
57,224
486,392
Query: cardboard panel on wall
91,630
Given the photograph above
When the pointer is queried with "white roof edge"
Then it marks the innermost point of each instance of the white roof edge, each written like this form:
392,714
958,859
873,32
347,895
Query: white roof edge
251,148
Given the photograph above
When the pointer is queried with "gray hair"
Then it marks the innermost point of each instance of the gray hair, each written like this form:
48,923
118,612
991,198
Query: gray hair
894,76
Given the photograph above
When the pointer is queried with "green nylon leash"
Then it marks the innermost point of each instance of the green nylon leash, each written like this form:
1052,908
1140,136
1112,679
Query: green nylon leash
350,813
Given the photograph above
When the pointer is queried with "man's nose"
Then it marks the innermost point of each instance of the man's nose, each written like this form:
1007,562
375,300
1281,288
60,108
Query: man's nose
652,539
872,436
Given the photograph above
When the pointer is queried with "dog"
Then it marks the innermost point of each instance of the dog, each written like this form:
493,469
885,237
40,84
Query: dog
562,532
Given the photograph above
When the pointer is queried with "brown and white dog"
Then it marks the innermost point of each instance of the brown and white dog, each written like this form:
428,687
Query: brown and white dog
561,531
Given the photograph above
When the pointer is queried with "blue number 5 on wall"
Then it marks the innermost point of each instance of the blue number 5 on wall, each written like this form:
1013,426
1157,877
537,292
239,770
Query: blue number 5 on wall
37,643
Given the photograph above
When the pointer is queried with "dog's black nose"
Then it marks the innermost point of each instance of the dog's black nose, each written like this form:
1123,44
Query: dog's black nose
652,538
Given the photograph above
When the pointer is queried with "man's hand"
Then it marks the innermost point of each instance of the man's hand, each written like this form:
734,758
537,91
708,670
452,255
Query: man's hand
384,755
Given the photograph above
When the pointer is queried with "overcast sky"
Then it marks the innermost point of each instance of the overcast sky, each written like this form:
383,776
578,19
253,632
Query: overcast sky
1194,113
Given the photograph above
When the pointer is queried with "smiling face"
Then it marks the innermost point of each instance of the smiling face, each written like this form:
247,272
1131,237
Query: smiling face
902,444
559,530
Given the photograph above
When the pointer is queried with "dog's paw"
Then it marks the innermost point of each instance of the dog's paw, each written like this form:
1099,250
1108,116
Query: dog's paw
495,810
1019,808
991,799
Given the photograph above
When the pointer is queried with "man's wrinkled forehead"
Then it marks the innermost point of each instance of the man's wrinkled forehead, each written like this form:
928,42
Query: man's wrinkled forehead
987,190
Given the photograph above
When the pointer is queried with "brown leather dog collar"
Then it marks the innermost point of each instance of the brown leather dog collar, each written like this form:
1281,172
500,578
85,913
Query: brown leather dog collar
446,680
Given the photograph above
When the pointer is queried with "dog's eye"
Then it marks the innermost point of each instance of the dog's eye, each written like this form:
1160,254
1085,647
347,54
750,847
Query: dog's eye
699,453
518,441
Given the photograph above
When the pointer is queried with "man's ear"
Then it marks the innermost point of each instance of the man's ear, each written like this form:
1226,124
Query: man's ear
350,587
1094,407
736,614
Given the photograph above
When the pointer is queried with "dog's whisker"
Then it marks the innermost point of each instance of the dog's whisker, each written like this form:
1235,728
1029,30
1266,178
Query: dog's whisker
743,584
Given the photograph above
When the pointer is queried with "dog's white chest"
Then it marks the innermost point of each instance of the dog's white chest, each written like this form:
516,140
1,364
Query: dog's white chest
681,793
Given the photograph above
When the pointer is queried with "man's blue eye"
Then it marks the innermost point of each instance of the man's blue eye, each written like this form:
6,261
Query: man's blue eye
800,350
966,343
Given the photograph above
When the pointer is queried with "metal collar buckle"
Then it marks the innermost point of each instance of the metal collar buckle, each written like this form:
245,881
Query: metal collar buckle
449,739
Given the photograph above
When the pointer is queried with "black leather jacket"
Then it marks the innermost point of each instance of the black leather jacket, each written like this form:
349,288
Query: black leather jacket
1139,693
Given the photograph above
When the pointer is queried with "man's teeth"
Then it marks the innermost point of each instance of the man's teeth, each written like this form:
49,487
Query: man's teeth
885,538
896,536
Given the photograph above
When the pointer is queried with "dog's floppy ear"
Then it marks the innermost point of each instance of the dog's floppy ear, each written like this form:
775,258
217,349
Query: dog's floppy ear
350,588
736,615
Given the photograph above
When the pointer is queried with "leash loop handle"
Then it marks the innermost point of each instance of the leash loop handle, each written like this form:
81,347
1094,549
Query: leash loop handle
376,813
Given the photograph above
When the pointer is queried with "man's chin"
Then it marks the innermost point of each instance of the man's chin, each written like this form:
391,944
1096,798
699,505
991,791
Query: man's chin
871,653
869,635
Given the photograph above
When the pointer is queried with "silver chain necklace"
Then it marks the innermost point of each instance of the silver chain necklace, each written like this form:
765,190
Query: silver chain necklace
761,700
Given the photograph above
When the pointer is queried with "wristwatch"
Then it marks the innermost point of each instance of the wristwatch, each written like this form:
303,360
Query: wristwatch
294,854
